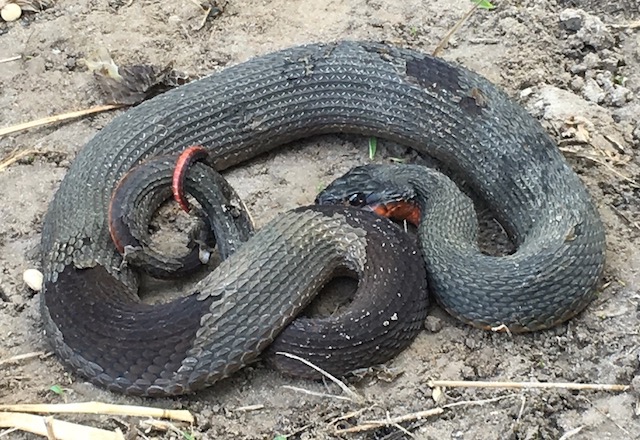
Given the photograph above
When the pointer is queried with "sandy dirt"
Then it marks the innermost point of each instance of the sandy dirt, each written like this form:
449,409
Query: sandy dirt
578,71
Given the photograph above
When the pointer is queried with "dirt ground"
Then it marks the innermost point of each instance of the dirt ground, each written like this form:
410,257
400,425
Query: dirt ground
577,70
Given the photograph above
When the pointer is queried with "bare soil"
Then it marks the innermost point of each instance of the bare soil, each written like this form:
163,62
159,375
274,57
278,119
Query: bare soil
576,71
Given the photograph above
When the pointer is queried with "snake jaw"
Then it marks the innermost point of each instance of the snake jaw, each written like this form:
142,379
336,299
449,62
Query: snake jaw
361,187
399,211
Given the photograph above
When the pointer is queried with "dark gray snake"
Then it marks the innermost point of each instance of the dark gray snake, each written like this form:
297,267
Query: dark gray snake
98,328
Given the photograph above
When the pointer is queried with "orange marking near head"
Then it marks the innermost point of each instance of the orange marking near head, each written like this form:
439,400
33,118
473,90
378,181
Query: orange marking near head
399,211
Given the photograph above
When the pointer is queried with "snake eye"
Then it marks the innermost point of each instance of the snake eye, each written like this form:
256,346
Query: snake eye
357,200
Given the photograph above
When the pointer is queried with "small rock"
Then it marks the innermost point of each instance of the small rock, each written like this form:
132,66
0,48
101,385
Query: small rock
592,91
33,278
594,33
635,134
577,84
620,96
635,385
433,324
11,12
591,60
572,19
525,93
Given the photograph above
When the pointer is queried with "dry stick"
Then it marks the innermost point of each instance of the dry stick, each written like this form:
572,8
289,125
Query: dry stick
58,118
8,60
478,402
15,156
369,425
604,164
454,29
21,357
522,385
102,408
571,433
52,428
624,217
632,25
375,424
343,387
316,393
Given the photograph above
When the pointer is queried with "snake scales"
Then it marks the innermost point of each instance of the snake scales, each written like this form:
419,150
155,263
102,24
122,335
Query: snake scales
444,111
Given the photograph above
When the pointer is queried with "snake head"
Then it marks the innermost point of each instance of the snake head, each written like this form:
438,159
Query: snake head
369,187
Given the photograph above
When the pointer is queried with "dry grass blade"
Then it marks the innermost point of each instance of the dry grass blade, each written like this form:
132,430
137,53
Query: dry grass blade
523,385
632,25
370,425
315,393
602,162
571,433
102,408
58,118
8,60
160,425
52,428
343,387
15,156
21,357
479,402
453,30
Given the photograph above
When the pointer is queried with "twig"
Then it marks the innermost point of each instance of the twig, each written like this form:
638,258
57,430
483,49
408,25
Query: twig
350,415
48,424
632,25
369,425
8,60
523,385
571,433
52,428
478,402
316,393
8,431
160,425
15,156
102,408
343,387
21,357
248,408
454,29
604,164
625,218
608,417
58,118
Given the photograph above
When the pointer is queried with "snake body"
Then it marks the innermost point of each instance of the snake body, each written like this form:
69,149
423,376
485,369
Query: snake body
441,110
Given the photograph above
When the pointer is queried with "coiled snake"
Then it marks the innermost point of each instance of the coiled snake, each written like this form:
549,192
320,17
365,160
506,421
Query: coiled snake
100,331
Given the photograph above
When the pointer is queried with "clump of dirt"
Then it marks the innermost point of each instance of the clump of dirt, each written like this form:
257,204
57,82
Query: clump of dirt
574,64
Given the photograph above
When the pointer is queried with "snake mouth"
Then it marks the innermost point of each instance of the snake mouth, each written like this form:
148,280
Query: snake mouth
398,211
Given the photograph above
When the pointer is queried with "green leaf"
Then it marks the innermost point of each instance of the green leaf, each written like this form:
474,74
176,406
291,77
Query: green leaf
56,389
187,436
280,437
483,4
373,145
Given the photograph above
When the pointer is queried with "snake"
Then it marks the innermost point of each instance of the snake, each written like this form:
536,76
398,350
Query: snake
100,330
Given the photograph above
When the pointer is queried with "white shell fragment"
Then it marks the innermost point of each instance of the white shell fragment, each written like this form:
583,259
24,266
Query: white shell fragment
34,279
11,12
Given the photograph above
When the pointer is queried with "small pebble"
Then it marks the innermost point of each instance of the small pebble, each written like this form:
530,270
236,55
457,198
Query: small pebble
572,19
433,324
635,386
34,279
11,12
